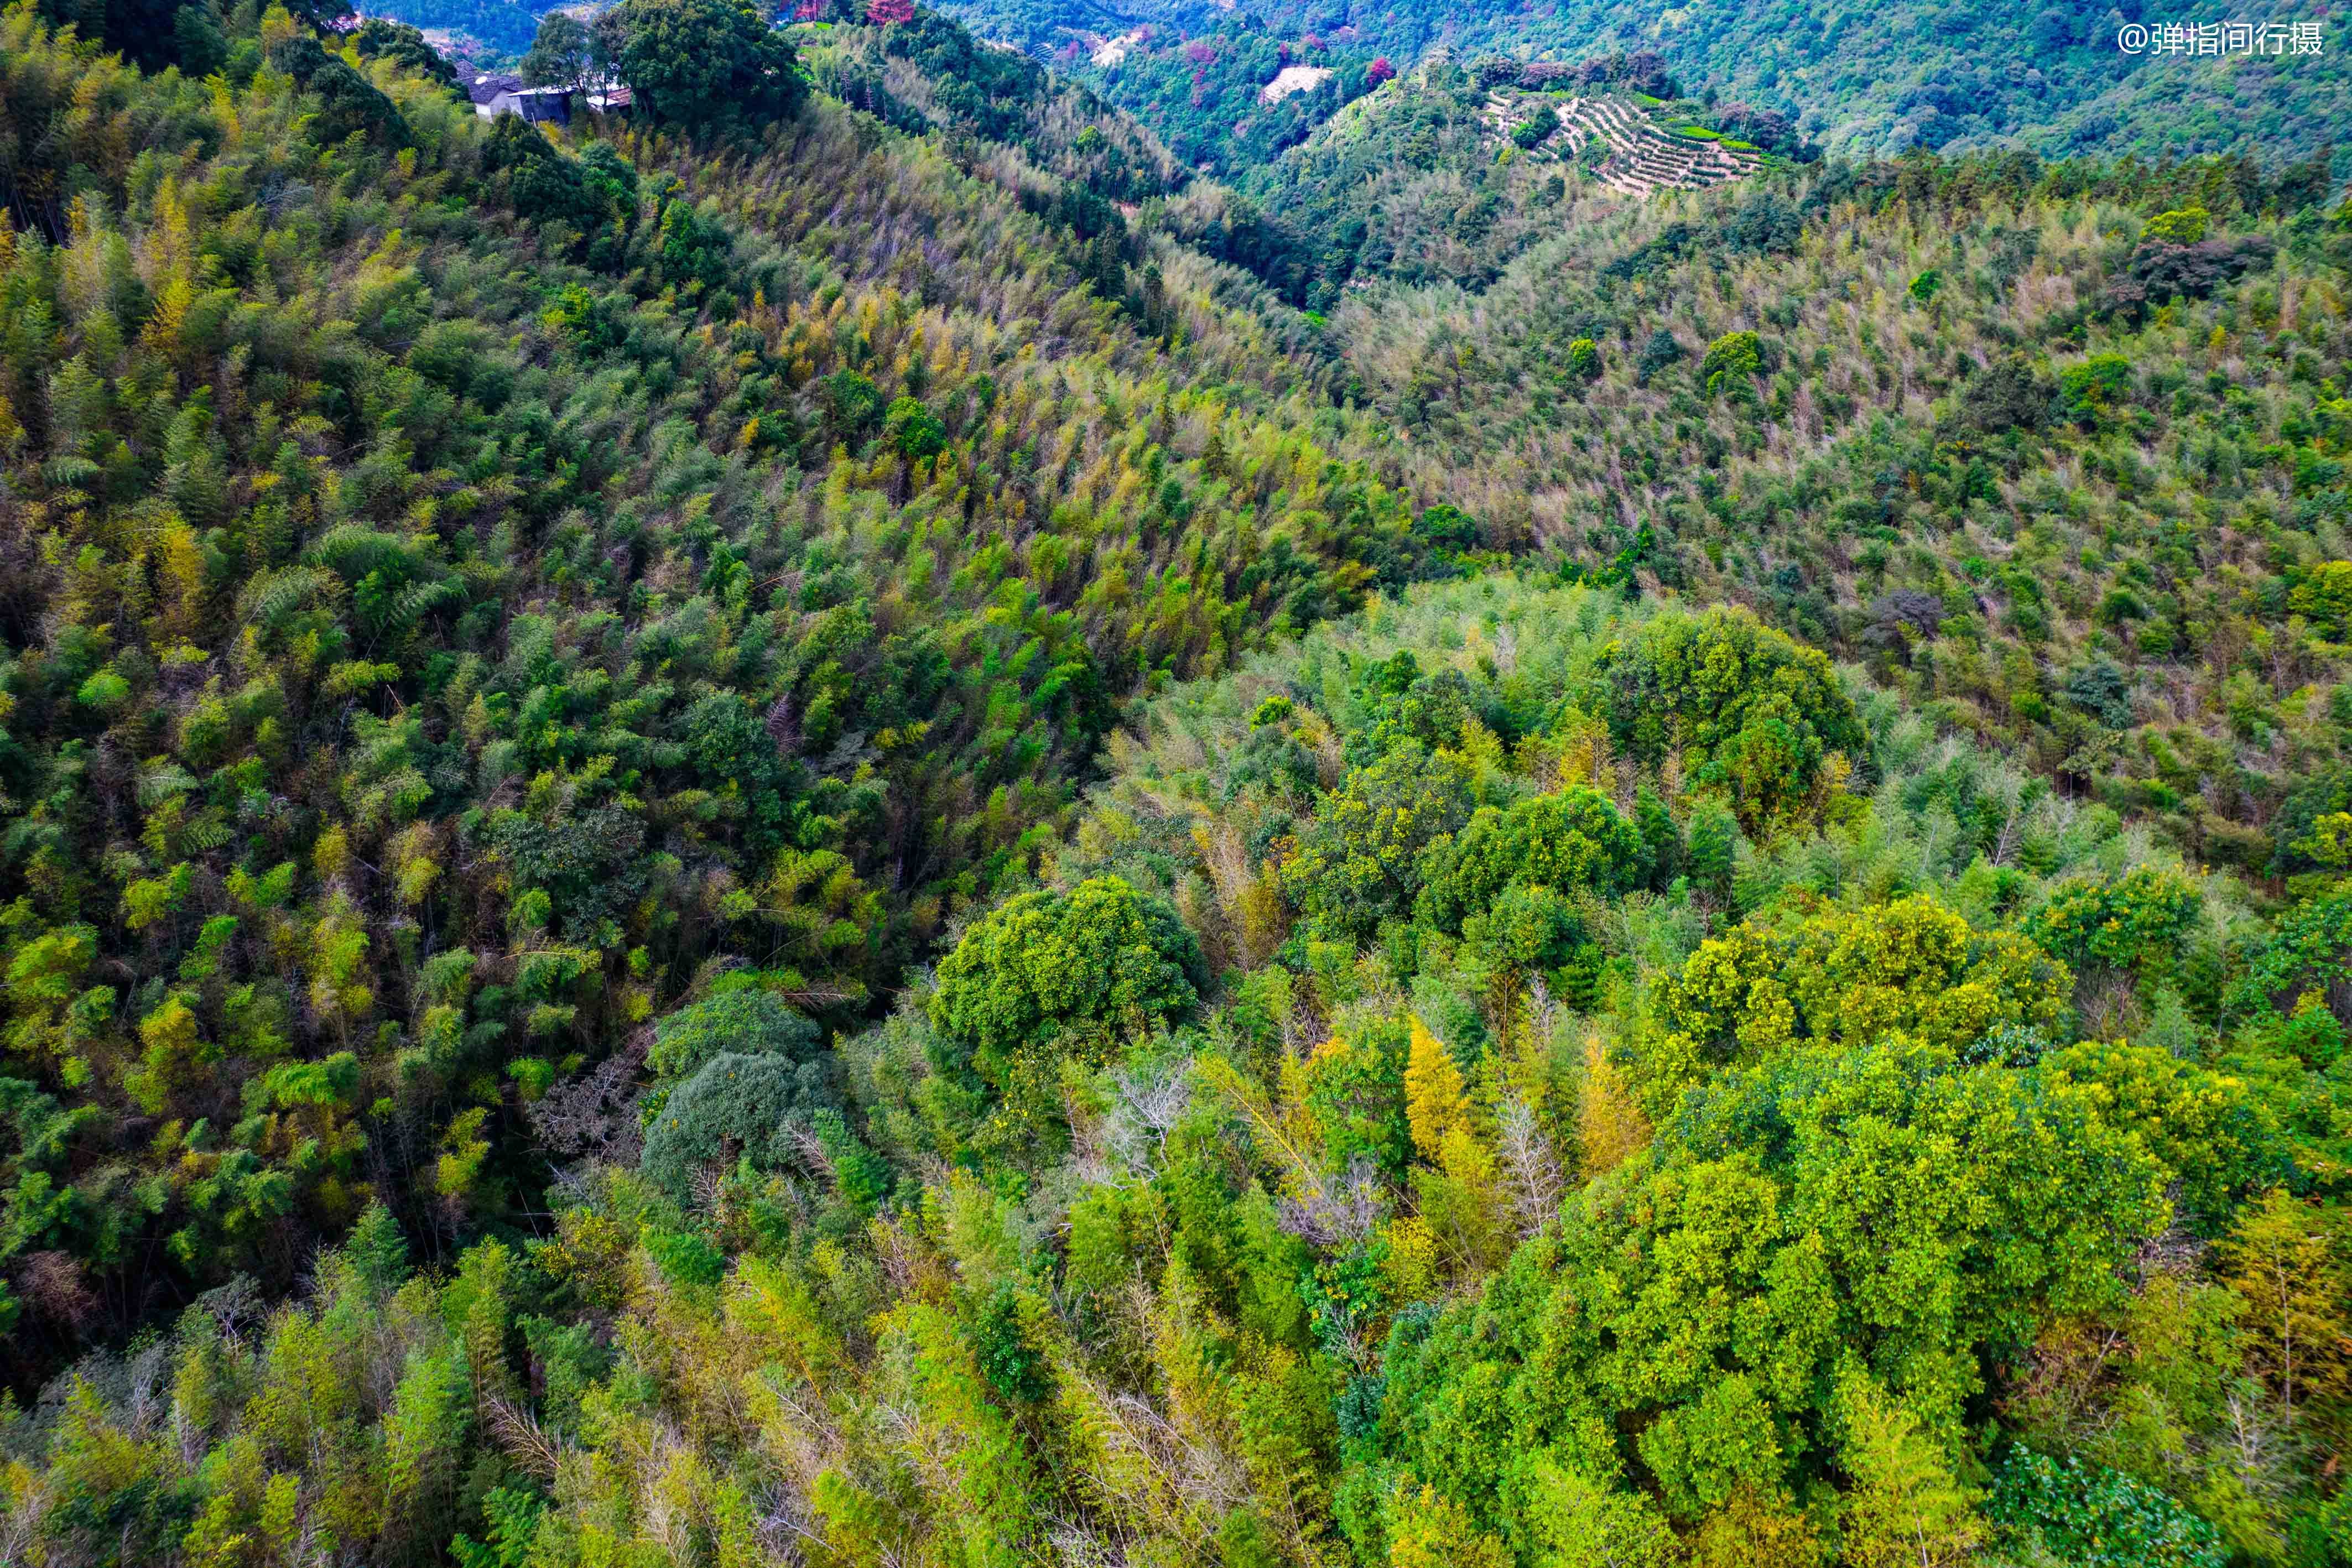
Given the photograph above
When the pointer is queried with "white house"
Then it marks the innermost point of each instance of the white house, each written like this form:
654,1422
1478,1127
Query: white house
495,94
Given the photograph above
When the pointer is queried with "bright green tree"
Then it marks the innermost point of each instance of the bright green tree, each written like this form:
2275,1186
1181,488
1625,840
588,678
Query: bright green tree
1754,714
1062,974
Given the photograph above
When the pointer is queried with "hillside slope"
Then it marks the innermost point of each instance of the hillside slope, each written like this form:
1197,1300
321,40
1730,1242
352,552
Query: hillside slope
1992,429
771,838
1651,1101
458,586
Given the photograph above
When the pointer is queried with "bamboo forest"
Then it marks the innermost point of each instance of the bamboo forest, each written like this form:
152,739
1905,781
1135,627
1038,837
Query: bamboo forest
1267,786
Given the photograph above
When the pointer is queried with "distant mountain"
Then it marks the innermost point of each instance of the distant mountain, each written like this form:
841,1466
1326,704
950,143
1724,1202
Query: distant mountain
1878,79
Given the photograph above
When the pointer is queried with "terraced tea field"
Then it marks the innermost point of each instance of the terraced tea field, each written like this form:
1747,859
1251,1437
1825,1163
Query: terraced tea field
1643,155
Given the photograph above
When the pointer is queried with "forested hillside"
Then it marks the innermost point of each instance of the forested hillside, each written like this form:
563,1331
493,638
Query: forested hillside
1888,79
1231,98
1529,1077
787,832
2058,453
930,74
1871,82
1449,175
457,589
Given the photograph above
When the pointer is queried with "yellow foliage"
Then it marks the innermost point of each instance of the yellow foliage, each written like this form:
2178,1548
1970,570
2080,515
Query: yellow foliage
1482,748
775,1309
172,1045
161,332
460,1165
1434,1532
1410,1265
180,560
1905,1507
1749,1531
1436,1098
1461,1204
1609,1123
1734,975
2285,1263
331,856
1911,965
415,865
1286,1130
1264,919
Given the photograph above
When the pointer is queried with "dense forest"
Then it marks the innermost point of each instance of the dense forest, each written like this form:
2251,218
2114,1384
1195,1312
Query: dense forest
789,831
1221,99
445,614
1879,79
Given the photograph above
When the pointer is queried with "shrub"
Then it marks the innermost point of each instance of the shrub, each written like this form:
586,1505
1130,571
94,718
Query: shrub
2122,922
1443,526
736,1104
2007,394
1755,715
2183,225
2092,389
914,431
748,1022
1571,840
2090,1517
1730,360
1358,864
1661,350
2102,690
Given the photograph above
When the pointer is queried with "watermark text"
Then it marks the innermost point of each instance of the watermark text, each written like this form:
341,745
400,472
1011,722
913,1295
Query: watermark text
2218,38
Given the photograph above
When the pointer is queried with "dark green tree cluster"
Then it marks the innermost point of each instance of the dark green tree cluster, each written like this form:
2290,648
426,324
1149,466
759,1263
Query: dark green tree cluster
704,65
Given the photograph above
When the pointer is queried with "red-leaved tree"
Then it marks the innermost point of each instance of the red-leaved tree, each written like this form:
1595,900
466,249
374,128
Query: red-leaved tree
884,12
1379,71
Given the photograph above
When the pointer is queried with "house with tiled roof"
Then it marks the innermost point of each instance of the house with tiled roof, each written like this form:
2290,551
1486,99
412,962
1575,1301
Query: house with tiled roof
497,93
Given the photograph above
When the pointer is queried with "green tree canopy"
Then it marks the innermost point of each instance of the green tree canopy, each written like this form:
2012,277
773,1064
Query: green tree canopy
749,1022
1884,1209
1359,862
1912,965
705,64
1754,714
1062,973
1574,839
756,1106
561,54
